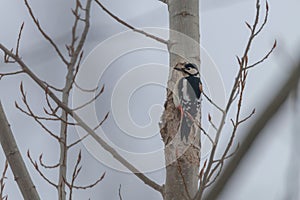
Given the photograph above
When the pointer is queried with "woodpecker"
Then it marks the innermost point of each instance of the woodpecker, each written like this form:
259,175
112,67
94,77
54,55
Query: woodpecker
186,97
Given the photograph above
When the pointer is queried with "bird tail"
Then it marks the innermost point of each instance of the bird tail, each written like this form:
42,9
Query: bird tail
185,127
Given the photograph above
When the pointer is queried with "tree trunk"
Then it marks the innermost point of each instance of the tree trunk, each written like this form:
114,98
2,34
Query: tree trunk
182,159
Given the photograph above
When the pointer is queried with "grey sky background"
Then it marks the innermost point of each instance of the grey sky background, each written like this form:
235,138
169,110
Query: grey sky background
264,175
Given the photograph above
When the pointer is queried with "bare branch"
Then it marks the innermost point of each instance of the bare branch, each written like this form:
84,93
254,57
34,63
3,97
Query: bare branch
264,58
130,26
230,155
85,90
107,147
2,182
213,103
78,141
31,114
202,172
207,135
237,91
52,87
248,25
90,101
91,185
103,120
15,160
39,171
265,20
211,122
19,39
220,163
76,54
220,167
36,22
6,57
54,111
246,118
78,50
10,73
47,166
256,129
197,123
75,174
76,14
77,67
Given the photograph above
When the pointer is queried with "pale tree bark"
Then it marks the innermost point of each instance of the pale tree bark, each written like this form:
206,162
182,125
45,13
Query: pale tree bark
181,173
15,160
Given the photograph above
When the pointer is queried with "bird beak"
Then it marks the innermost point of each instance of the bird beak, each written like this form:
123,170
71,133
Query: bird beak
179,66
178,69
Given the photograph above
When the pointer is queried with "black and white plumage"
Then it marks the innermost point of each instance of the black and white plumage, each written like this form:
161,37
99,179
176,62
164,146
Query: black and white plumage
186,97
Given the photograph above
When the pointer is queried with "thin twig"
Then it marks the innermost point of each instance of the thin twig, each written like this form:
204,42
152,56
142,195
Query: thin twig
77,67
246,118
47,166
220,167
78,50
31,113
76,54
102,121
45,35
10,73
85,90
39,171
221,161
90,101
52,87
202,172
206,134
54,111
77,141
91,185
130,26
74,28
19,39
120,195
75,174
230,155
211,122
265,20
213,103
2,182
264,58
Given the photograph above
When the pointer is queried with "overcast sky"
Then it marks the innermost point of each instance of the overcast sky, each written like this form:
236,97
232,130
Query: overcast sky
223,35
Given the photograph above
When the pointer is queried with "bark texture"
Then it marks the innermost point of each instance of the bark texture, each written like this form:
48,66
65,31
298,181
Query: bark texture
182,159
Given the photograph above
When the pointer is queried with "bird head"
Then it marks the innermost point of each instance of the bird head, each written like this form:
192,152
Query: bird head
188,69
